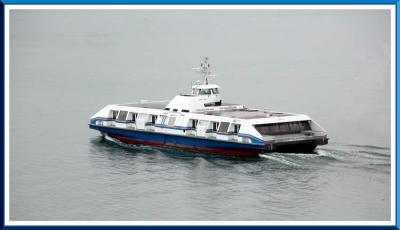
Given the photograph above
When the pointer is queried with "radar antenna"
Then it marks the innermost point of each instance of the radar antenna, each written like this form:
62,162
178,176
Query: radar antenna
204,69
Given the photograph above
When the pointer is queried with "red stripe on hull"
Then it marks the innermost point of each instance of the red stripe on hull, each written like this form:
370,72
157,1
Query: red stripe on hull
215,151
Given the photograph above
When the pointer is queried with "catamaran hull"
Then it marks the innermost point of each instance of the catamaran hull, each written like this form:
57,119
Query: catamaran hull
182,142
215,151
201,145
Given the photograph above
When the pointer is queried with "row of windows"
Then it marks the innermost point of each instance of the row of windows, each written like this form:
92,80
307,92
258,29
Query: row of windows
176,110
222,127
205,91
283,128
123,115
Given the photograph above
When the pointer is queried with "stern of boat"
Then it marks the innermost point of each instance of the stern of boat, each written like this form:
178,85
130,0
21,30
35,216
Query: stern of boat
304,142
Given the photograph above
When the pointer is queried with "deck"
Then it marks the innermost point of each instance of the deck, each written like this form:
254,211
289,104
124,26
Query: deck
149,105
225,110
246,114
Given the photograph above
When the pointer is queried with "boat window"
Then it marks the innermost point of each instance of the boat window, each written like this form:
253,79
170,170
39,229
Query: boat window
304,125
274,129
236,128
205,91
215,126
171,121
114,114
215,91
162,120
122,115
294,126
129,116
185,110
166,108
194,123
153,119
263,129
132,117
223,127
175,110
283,128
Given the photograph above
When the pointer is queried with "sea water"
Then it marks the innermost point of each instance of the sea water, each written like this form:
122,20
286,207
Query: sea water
66,65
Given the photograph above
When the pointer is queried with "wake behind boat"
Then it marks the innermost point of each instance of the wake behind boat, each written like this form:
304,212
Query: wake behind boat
201,122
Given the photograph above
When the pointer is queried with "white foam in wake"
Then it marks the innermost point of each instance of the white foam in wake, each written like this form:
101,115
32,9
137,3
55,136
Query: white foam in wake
279,159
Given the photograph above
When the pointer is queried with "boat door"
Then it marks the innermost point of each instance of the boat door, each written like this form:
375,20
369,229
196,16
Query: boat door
141,120
202,128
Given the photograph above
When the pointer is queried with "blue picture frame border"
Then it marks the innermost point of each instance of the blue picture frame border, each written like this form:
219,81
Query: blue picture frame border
3,3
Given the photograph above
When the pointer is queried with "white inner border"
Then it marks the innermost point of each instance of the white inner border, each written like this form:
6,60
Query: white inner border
7,9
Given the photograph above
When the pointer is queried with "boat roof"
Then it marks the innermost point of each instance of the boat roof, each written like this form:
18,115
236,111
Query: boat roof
247,114
242,113
203,86
148,105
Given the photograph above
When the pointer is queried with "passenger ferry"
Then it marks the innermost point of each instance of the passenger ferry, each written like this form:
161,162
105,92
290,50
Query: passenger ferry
200,121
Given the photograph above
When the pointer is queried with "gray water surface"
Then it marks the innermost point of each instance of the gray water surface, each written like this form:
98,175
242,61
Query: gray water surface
67,65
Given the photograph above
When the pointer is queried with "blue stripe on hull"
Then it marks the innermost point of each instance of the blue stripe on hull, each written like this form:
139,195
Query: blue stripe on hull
253,138
176,140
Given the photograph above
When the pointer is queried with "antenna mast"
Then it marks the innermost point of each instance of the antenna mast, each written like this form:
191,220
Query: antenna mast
204,69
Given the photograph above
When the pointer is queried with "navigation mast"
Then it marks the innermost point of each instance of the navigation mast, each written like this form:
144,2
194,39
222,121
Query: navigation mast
204,70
